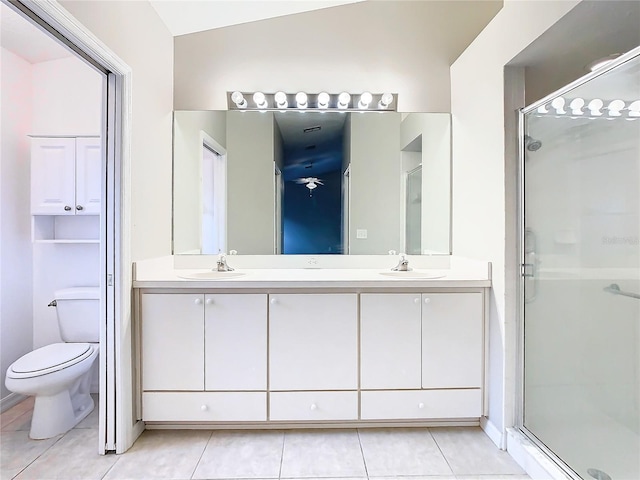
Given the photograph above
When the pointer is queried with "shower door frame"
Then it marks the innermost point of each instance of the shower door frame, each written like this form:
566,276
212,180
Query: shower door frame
520,331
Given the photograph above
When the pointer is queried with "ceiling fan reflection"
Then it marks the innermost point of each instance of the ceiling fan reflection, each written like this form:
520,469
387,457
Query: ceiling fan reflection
310,182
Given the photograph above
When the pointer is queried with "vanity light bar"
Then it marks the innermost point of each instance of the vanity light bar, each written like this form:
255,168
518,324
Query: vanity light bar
301,101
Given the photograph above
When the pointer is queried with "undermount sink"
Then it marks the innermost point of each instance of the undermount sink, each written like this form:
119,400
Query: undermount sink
411,275
211,275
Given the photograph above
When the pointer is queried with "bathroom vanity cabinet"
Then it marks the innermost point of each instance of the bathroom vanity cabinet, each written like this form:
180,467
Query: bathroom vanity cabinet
280,357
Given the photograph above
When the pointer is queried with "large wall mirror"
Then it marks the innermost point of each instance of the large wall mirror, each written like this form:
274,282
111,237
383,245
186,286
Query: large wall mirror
294,182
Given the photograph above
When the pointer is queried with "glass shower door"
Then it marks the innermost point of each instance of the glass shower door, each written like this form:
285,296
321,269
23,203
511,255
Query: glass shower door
581,275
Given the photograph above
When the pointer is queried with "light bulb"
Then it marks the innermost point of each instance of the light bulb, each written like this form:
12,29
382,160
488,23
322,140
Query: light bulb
576,106
365,100
323,100
238,99
594,107
614,108
343,100
311,185
634,109
301,100
558,104
385,100
281,99
260,100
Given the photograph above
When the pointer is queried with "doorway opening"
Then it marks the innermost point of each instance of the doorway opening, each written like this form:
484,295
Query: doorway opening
101,236
313,166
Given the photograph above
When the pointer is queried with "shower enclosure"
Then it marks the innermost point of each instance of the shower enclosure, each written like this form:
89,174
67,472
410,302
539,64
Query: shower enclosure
580,296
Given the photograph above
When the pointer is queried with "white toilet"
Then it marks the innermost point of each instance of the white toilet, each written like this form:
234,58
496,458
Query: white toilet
59,375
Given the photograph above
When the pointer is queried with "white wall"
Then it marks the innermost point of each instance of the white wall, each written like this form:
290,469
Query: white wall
375,190
16,327
483,214
250,182
402,46
65,93
135,33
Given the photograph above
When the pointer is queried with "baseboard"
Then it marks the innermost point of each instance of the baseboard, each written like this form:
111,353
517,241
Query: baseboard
10,400
532,460
493,433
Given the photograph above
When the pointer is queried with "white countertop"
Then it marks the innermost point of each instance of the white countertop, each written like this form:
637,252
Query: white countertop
161,274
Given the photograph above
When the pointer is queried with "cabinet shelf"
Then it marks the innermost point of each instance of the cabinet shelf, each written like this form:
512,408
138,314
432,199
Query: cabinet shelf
65,229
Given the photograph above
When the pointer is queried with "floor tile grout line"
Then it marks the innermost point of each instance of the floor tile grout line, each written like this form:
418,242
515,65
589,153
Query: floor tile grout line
118,457
40,455
441,452
284,435
26,412
364,460
202,454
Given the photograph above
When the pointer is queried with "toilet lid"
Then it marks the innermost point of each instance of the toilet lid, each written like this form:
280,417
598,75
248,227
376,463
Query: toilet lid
50,358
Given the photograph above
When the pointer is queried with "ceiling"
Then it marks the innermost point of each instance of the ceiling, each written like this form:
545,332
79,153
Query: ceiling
29,42
189,16
26,40
317,150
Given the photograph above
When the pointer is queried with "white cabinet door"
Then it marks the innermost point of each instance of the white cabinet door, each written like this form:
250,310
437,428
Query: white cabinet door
452,340
390,341
313,342
172,341
53,176
88,176
236,342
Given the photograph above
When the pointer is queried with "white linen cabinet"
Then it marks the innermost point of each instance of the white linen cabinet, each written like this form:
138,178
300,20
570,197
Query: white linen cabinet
66,175
66,189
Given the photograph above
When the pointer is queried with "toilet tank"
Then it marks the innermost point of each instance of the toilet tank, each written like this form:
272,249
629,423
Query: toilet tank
78,310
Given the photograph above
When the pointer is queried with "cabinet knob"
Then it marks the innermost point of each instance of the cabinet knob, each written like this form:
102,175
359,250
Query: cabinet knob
427,300
416,300
198,301
67,208
209,301
421,405
313,406
79,207
273,301
204,408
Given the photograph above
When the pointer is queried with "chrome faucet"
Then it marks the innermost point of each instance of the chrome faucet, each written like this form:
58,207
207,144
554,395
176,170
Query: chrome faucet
403,265
221,265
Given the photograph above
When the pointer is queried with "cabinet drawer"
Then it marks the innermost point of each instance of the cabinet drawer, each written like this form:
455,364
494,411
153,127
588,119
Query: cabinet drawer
421,404
204,406
314,406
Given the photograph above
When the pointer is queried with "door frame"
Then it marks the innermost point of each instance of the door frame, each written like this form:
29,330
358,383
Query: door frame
118,424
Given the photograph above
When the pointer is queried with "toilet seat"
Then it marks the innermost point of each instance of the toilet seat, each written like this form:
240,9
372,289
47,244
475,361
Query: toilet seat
50,358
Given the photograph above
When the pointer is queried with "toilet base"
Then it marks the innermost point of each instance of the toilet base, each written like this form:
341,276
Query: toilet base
59,413
55,414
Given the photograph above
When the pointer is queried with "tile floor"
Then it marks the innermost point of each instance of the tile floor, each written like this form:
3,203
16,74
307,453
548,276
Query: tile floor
417,453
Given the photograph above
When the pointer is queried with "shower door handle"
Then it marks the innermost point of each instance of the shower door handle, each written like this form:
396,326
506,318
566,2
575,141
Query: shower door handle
527,270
